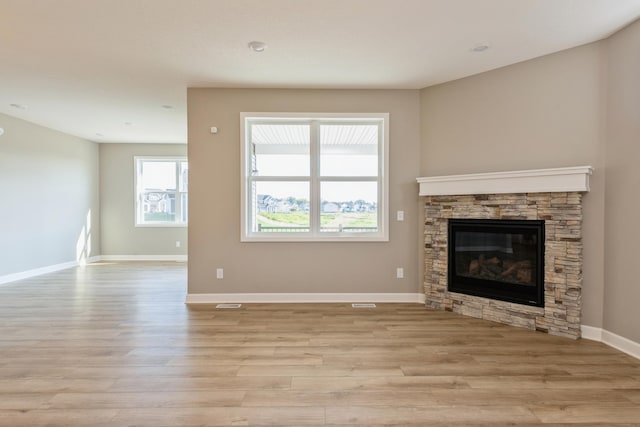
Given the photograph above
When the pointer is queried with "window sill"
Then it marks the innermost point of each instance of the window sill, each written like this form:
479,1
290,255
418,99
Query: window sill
162,225
313,239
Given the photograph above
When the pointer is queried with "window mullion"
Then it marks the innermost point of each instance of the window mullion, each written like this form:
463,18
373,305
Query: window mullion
382,188
314,178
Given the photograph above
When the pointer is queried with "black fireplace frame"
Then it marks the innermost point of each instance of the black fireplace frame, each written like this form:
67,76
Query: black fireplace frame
510,292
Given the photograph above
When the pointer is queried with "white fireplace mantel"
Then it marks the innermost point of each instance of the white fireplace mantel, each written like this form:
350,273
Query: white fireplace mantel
526,181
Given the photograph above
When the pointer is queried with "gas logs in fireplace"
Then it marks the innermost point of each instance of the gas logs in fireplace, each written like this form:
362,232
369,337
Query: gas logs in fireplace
498,259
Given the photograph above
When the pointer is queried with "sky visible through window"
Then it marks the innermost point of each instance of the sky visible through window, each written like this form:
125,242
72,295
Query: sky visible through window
159,175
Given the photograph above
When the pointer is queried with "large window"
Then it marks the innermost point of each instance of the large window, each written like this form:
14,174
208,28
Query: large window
161,191
319,177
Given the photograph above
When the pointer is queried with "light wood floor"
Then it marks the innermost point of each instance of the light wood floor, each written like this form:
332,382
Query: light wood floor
115,345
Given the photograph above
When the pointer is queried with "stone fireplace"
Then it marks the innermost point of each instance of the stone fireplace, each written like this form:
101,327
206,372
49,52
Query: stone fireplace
550,199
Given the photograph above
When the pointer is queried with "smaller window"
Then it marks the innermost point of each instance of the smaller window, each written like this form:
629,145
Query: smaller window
161,191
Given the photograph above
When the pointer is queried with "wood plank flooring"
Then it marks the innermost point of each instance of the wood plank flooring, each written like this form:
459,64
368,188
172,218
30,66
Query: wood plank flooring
113,344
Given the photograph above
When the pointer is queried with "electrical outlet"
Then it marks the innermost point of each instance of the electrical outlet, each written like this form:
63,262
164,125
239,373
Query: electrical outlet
178,243
219,273
400,273
400,215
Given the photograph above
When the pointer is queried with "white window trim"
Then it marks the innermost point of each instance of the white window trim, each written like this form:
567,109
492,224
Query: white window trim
137,193
383,190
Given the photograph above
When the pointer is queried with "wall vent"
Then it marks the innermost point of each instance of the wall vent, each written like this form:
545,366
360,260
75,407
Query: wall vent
228,305
363,305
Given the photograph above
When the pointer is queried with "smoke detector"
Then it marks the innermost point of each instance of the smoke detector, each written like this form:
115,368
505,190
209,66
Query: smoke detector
257,46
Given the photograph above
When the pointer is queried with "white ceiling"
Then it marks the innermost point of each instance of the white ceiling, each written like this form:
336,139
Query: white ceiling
105,67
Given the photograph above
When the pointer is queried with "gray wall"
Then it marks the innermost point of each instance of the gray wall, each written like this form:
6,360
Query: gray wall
622,231
49,184
120,236
577,107
214,227
543,113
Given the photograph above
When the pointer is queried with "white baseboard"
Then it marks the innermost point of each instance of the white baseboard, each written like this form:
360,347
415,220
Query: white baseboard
623,344
177,258
305,298
591,333
44,270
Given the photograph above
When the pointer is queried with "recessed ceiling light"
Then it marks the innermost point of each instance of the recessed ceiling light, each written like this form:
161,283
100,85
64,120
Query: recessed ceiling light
99,134
166,106
19,106
257,46
128,123
479,48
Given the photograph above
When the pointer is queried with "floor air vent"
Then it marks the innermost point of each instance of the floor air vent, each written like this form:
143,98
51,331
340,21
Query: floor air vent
363,305
228,305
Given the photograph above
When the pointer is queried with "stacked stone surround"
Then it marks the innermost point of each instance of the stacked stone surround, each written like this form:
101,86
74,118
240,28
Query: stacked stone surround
562,214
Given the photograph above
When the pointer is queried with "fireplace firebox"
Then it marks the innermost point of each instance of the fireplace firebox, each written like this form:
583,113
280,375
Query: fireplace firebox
497,259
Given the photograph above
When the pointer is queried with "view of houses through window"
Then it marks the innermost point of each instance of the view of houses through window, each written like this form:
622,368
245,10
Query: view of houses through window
161,196
278,210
